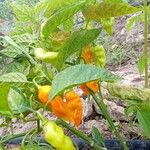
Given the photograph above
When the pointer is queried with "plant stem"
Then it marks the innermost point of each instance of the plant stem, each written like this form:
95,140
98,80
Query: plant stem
11,127
103,109
146,42
11,137
38,125
8,138
80,134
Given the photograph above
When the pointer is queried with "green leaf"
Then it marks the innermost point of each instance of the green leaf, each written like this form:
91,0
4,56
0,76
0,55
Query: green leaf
41,6
76,42
55,5
108,24
22,12
4,107
144,106
107,10
97,137
60,17
48,7
14,77
141,64
11,42
21,28
128,93
17,101
19,48
130,109
133,20
68,25
115,1
1,147
10,52
78,74
144,121
22,67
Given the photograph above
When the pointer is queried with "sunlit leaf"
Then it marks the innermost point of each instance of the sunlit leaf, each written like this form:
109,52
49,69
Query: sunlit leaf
78,74
144,121
75,43
141,64
108,24
107,10
133,20
60,17
4,106
17,101
128,93
14,77
22,12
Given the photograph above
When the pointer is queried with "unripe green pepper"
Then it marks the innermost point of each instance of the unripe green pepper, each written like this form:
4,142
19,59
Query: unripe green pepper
99,56
45,56
67,145
54,135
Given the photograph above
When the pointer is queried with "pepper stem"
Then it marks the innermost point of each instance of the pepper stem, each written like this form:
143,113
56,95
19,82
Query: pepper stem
35,83
41,117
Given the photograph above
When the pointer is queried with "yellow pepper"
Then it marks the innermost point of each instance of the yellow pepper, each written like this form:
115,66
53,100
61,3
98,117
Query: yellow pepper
54,135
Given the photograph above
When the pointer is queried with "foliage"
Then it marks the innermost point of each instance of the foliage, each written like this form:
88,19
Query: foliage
5,11
45,28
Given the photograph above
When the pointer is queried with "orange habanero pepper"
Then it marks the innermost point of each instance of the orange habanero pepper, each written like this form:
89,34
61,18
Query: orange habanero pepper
87,55
69,109
91,85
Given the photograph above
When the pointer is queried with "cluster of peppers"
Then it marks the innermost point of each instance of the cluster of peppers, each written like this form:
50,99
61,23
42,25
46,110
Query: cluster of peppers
97,55
69,106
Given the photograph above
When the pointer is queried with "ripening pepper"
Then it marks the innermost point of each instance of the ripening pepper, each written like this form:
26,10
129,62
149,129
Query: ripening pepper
54,135
87,54
93,85
45,56
43,92
68,145
68,108
75,104
94,54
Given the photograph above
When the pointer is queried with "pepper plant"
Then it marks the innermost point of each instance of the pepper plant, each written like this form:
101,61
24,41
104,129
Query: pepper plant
49,54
